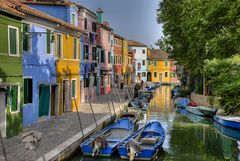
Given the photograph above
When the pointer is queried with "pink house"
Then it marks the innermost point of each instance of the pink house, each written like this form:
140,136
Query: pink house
87,20
105,42
173,74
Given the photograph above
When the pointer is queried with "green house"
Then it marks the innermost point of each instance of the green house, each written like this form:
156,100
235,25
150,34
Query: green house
11,79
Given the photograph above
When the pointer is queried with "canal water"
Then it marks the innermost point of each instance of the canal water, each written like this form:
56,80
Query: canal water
188,137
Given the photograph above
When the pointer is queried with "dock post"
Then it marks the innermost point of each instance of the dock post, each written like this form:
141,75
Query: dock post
93,115
79,119
110,111
3,147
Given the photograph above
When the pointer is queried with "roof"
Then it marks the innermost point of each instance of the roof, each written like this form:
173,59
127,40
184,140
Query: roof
80,7
47,2
104,26
17,8
9,7
136,43
158,54
118,36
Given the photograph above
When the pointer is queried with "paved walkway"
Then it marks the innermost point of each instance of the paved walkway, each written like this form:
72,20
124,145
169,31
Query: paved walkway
57,130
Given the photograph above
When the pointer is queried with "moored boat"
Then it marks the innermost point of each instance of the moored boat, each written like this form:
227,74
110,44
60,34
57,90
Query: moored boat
131,113
194,110
105,142
144,144
229,121
209,112
229,132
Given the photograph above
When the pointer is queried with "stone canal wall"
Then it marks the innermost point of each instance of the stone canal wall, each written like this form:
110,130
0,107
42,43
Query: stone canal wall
200,99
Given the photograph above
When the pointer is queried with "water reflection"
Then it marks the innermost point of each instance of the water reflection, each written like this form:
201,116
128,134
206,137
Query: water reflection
188,137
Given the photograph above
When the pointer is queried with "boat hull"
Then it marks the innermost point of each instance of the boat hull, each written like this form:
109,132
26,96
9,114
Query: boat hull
194,110
149,151
114,134
229,123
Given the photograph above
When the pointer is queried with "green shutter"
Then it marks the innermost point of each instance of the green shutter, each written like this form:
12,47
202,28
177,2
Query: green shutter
13,41
25,37
48,42
44,100
14,96
73,88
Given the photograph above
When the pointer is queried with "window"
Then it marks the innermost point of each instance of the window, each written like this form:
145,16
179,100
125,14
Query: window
143,74
13,47
86,82
109,57
27,90
166,63
26,40
59,45
94,27
134,50
73,18
143,51
115,41
120,60
109,37
75,48
102,56
166,74
13,98
115,59
155,63
95,79
149,62
85,24
173,75
48,41
74,89
155,74
94,53
143,62
85,52
172,64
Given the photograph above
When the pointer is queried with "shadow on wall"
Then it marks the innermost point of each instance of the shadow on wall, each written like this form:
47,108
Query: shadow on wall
2,76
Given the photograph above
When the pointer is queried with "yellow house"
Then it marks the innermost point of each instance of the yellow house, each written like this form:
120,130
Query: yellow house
158,66
67,51
126,73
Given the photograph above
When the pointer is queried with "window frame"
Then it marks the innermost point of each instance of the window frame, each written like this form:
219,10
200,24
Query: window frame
27,77
50,45
59,34
85,23
74,79
17,41
75,48
143,51
155,63
155,76
86,55
94,27
143,63
73,16
166,74
29,50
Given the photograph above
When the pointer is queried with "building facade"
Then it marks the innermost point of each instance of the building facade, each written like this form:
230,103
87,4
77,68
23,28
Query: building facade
88,22
104,52
11,80
140,60
158,67
118,59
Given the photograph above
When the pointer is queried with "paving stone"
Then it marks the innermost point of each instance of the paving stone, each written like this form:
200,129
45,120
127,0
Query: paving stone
58,129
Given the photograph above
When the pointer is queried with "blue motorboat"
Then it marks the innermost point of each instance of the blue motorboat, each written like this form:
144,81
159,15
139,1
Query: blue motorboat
144,144
105,142
229,132
228,121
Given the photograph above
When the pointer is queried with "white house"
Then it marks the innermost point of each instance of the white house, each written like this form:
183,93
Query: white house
139,60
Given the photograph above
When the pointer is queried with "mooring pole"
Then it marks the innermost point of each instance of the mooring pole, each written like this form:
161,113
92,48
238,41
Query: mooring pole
117,98
113,104
3,147
93,114
79,119
109,107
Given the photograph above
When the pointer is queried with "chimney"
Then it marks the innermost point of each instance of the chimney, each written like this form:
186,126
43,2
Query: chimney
100,15
105,23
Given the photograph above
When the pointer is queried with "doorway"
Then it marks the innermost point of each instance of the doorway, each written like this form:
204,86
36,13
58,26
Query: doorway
160,77
3,112
44,100
66,96
54,100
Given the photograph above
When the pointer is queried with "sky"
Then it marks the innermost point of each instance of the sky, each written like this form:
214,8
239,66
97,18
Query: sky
132,19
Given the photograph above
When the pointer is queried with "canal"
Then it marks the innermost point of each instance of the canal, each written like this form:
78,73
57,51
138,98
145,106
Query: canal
188,137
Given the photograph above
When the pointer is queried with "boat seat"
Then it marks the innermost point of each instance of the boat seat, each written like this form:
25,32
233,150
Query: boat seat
149,140
114,140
